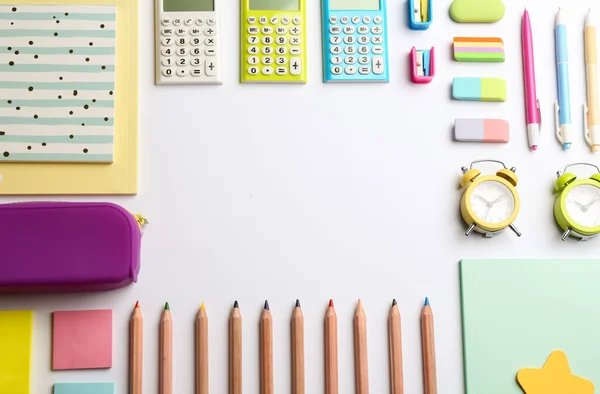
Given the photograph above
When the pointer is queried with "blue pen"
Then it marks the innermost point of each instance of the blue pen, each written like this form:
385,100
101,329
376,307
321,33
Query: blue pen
562,108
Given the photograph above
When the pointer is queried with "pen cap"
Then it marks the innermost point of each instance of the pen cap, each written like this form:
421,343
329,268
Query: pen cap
562,54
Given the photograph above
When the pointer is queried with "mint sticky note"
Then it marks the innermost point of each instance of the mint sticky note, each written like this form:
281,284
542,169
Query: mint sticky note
84,388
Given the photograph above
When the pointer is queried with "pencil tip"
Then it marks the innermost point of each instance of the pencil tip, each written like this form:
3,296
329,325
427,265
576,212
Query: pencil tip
202,306
167,308
426,301
235,304
331,303
394,303
297,303
137,304
267,305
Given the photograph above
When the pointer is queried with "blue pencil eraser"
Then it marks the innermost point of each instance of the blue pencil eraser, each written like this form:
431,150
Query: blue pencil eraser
420,14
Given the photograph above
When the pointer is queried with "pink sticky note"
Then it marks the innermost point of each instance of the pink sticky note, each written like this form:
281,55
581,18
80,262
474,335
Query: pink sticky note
82,339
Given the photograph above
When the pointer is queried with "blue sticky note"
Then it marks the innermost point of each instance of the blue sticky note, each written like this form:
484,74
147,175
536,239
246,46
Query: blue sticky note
84,388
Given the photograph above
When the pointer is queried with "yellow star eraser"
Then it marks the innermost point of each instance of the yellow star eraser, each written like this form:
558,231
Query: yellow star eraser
554,377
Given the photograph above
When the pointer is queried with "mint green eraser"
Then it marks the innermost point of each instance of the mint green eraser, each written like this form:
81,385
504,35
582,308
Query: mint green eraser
477,11
478,89
84,388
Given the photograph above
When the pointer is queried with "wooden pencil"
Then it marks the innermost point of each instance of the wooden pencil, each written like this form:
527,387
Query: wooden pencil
235,350
136,350
202,351
395,333
297,350
361,367
165,372
331,351
428,350
266,351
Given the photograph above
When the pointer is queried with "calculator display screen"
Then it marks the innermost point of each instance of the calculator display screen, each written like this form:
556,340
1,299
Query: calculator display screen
353,5
188,5
278,5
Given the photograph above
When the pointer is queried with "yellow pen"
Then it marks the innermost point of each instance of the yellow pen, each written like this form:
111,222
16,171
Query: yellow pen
424,11
591,110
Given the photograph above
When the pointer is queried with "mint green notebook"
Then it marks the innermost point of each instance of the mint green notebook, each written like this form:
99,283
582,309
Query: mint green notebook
516,312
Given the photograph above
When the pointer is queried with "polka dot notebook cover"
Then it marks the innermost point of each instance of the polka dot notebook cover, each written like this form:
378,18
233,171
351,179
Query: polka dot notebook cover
57,80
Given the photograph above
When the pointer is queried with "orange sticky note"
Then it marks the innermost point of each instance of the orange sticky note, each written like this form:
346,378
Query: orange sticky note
82,339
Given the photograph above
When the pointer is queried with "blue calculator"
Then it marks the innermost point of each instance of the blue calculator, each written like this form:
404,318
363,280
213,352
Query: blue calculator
355,41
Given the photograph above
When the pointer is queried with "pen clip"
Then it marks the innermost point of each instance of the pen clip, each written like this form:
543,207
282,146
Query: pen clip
586,130
556,123
539,111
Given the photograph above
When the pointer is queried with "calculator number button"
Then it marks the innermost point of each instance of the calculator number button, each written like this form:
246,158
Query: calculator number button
350,50
350,70
281,50
253,50
282,70
182,51
253,60
378,65
363,30
196,52
377,50
166,41
295,51
210,41
267,70
253,70
335,39
363,39
335,49
295,40
210,51
267,60
167,32
181,41
167,72
281,60
211,31
336,60
349,29
363,59
267,50
377,40
295,30
363,49
181,72
281,40
168,62
267,40
195,41
253,40
196,62
349,40
166,52
336,70
350,60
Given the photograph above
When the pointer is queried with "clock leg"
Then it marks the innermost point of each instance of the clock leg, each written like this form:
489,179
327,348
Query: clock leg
566,234
470,229
513,228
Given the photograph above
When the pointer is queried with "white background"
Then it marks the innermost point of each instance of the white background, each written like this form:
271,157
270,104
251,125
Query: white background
317,191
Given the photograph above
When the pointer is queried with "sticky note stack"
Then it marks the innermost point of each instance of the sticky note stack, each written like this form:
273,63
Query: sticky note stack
15,351
479,49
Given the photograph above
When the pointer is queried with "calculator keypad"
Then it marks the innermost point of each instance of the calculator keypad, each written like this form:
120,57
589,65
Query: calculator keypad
273,47
357,47
188,50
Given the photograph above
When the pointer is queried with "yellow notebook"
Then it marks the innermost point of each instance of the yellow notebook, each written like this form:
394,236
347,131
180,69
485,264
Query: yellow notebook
103,158
15,351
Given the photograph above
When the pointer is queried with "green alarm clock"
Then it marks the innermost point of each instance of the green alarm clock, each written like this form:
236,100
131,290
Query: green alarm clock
577,205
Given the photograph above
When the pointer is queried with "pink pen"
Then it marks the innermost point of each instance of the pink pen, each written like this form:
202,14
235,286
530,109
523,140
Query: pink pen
532,104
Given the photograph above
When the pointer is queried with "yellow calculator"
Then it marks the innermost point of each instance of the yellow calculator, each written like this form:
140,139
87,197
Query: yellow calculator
273,41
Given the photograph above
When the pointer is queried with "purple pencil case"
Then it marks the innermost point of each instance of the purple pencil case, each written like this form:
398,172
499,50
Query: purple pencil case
68,247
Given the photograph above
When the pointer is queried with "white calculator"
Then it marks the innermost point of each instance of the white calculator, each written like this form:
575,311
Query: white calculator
187,42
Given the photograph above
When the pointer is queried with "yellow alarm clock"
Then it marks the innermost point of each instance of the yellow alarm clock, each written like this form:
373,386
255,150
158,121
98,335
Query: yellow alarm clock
577,204
490,203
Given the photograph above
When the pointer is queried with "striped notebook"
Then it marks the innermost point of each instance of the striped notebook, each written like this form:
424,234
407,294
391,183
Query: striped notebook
478,49
57,83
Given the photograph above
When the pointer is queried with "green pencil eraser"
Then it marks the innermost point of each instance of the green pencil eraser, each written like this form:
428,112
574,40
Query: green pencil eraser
477,11
479,89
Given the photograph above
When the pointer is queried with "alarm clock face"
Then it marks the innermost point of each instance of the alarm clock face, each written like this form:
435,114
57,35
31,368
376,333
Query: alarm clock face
583,205
492,202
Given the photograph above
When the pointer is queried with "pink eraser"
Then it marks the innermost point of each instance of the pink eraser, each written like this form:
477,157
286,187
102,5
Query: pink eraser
481,130
82,339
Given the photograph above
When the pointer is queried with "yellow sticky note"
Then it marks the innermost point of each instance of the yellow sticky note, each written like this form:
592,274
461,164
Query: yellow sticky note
554,377
15,351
